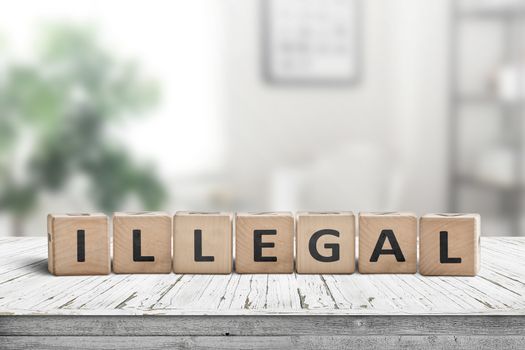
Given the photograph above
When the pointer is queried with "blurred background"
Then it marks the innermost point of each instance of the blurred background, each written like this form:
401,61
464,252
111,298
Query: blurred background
262,105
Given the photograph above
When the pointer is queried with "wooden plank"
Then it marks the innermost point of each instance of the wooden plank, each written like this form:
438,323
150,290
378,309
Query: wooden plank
282,342
260,325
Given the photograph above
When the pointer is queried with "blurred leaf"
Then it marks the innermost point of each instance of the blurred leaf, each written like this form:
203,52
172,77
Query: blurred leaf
17,198
30,97
68,99
119,177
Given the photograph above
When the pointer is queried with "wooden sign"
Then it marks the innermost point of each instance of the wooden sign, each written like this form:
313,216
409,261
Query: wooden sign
264,243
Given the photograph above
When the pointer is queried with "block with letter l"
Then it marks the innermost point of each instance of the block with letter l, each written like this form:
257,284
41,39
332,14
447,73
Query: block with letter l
78,244
202,242
142,242
449,244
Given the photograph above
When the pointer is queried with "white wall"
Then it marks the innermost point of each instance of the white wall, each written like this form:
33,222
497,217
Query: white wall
399,104
419,79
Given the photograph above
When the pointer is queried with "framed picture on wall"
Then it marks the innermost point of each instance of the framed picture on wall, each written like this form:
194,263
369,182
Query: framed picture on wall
310,41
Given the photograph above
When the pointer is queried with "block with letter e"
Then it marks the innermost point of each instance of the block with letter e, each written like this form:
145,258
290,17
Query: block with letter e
78,244
142,242
387,242
325,242
449,244
202,242
264,242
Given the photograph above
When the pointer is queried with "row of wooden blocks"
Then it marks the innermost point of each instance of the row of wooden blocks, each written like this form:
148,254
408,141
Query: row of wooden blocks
449,244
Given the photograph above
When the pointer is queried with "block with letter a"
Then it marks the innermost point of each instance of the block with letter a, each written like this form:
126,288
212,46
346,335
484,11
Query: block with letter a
387,242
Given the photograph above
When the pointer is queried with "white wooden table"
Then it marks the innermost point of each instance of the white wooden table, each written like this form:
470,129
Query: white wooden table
261,311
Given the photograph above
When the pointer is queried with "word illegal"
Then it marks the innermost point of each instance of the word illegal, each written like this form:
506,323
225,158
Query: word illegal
79,244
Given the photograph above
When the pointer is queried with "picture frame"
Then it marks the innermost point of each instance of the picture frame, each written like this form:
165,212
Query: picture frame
311,42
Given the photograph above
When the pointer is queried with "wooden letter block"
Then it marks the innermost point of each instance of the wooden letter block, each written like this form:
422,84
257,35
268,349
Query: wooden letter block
264,242
142,242
325,242
387,243
449,244
78,244
202,242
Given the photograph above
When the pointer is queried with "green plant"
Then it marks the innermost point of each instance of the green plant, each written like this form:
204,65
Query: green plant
65,101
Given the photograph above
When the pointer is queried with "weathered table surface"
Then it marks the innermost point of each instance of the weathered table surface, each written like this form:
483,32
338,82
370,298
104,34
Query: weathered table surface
291,311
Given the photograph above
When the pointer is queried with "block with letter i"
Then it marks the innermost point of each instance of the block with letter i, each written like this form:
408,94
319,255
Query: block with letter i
142,242
449,244
387,243
78,244
264,242
325,242
202,242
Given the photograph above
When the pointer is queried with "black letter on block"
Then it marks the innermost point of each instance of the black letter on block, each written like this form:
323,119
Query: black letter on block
312,246
378,250
198,247
443,250
137,255
258,245
81,245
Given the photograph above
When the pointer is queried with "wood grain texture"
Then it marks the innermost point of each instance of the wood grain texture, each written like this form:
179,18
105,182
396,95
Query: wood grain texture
27,288
463,234
63,257
282,342
245,226
342,224
257,325
404,231
38,310
155,241
216,234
